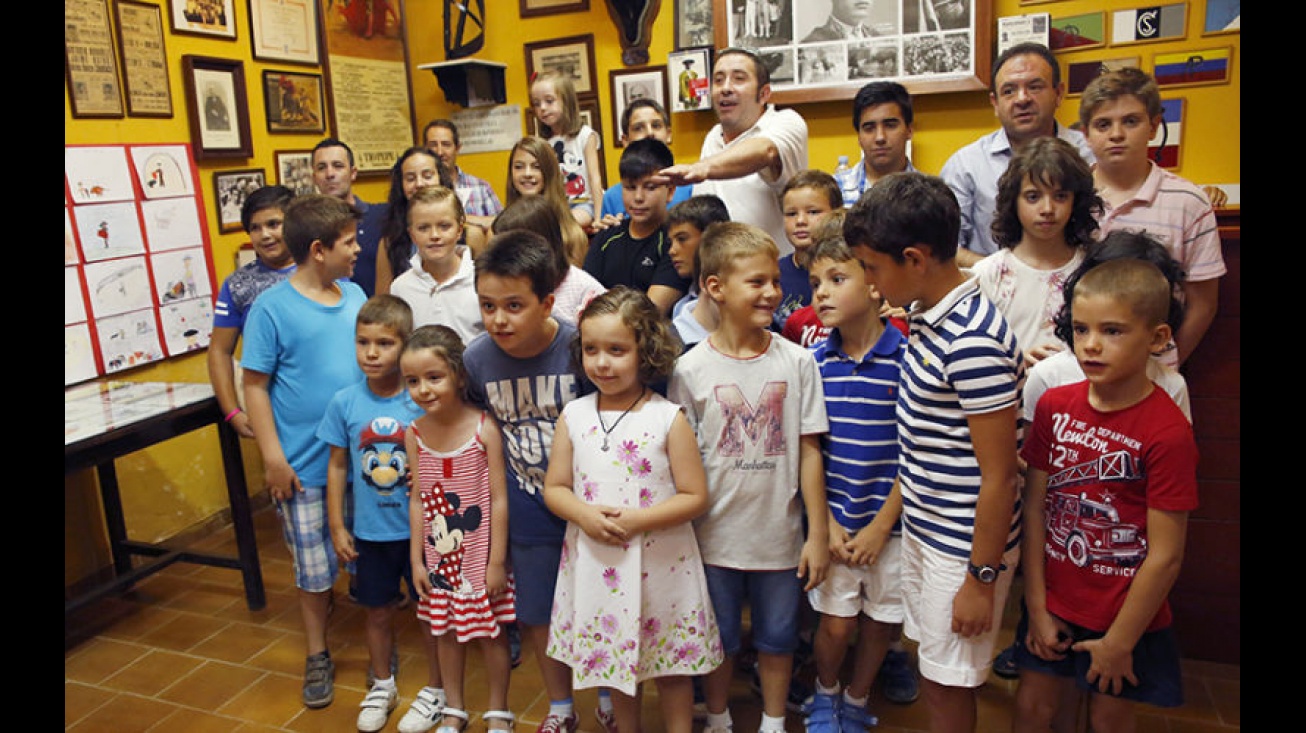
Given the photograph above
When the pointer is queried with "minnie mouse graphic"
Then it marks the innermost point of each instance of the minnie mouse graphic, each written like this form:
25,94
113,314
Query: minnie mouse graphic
447,534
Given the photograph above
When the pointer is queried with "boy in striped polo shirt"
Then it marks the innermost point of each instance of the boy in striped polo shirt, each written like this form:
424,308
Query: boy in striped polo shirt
957,408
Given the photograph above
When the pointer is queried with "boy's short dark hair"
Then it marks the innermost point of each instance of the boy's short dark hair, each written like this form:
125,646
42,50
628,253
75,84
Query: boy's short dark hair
389,311
643,158
1024,49
904,210
1120,83
1118,245
331,142
521,253
700,210
649,102
882,92
267,197
316,217
760,69
1138,284
817,180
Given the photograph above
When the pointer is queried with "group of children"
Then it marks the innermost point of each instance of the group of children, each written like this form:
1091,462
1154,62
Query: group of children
623,476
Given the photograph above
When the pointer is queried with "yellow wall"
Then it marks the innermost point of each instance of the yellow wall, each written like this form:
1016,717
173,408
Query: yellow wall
186,474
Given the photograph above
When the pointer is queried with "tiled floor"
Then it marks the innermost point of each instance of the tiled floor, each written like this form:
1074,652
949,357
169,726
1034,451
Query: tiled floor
182,653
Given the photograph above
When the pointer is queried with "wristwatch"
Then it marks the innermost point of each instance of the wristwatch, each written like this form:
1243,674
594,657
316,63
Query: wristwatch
986,574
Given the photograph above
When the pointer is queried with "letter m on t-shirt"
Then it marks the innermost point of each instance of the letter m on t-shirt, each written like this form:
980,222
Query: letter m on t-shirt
761,424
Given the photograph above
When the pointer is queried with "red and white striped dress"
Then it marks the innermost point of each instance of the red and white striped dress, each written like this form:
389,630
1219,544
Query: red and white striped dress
455,493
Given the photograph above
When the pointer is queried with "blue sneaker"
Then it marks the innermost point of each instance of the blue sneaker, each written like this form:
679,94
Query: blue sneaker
514,644
821,713
899,677
1005,664
855,718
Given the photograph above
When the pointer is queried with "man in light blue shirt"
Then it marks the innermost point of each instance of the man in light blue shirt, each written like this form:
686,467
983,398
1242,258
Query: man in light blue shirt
1026,91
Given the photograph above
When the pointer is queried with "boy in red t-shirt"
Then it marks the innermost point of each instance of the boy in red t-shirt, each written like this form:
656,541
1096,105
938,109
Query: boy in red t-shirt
1112,477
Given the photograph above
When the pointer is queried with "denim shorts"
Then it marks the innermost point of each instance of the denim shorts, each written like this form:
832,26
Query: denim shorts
380,568
773,605
535,572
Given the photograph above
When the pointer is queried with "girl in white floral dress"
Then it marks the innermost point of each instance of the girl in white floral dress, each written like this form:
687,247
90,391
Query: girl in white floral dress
631,601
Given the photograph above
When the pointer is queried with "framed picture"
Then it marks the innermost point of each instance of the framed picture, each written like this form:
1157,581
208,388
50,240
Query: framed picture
218,107
692,70
693,23
590,115
536,8
90,61
293,101
1079,75
815,52
1192,68
284,30
1222,16
637,83
1078,32
1165,147
295,170
144,59
230,189
1147,24
573,55
203,17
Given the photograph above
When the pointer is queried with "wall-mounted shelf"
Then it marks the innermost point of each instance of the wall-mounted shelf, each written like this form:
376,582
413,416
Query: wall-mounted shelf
470,82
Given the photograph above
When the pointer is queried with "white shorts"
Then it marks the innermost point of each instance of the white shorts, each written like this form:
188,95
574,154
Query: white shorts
930,581
875,590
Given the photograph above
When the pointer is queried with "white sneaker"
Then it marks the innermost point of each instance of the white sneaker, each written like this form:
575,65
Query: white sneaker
424,713
376,707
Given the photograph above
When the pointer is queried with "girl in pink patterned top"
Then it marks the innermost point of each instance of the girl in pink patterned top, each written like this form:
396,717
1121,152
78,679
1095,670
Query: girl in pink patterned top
459,517
631,602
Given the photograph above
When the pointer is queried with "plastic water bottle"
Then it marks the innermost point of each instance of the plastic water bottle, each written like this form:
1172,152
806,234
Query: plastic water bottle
847,180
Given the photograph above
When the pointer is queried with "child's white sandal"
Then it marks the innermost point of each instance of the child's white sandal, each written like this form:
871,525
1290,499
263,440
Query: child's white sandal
505,715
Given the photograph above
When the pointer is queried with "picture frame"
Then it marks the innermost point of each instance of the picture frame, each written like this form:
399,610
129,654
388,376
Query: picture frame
691,68
1080,74
1166,146
285,31
90,60
949,50
537,8
631,84
293,101
1077,32
218,107
1192,68
230,188
574,54
693,24
1222,17
1149,24
215,18
295,170
590,115
144,59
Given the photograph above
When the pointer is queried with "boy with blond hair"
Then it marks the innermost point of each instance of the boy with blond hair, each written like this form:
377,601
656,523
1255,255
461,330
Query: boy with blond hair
754,400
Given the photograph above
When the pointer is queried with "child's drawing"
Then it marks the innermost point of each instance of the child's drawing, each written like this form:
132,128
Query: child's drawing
78,359
172,224
74,308
162,171
186,325
180,275
98,173
128,340
108,230
118,286
69,243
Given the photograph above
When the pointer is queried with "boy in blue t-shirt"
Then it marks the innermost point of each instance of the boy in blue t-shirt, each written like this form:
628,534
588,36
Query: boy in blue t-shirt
364,426
299,350
262,216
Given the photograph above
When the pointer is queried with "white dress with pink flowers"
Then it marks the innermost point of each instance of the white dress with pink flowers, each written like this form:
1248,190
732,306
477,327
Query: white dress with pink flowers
626,614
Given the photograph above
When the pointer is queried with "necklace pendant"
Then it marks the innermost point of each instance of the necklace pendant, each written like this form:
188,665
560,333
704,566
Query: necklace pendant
604,447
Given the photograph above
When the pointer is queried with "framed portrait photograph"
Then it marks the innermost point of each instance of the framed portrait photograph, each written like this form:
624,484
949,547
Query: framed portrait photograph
573,55
284,30
689,71
1192,68
230,189
218,107
693,23
536,8
144,59
295,170
203,17
636,83
90,60
1077,32
293,101
825,50
1222,16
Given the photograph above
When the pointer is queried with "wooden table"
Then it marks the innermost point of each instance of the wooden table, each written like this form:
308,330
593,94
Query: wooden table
105,420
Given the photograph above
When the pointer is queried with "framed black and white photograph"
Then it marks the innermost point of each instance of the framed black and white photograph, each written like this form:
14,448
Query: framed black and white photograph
230,189
636,83
825,50
295,170
218,107
536,8
293,101
573,55
203,17
693,23
284,30
690,73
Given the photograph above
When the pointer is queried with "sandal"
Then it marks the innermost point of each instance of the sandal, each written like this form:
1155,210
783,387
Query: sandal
453,713
504,715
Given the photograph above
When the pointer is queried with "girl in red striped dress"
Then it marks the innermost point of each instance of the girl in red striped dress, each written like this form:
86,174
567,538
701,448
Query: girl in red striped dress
459,516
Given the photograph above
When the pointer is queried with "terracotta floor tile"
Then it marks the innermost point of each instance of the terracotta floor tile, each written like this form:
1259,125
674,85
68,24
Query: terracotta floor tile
99,659
153,672
211,685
